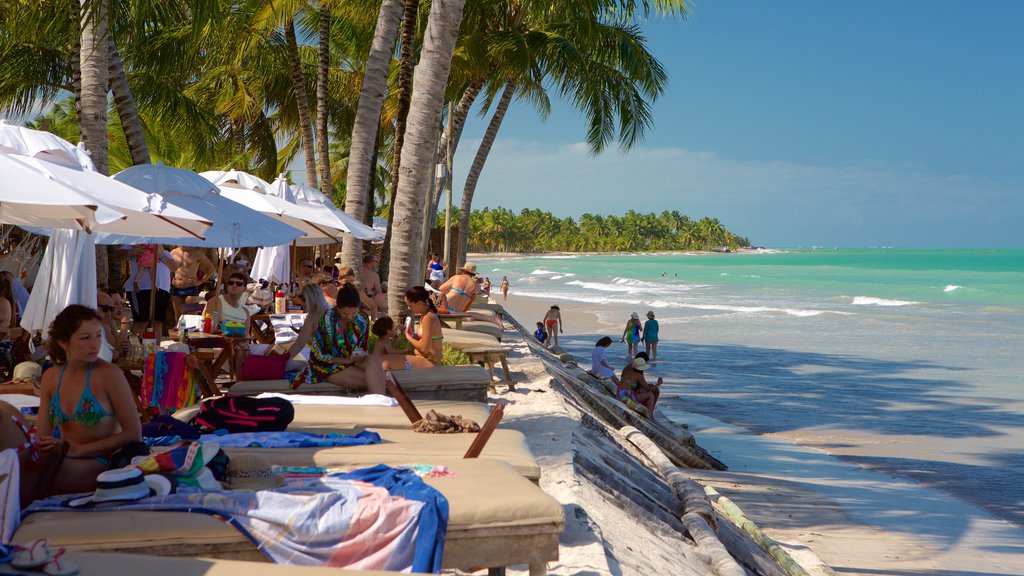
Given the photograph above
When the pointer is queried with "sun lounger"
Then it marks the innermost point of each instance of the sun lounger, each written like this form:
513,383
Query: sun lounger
462,339
464,383
496,518
309,416
400,448
105,564
483,327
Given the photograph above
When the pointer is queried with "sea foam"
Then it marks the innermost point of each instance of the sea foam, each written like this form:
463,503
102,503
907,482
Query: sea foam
951,288
872,301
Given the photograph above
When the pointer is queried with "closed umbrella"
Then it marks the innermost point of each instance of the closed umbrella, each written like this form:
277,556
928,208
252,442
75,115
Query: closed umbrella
67,275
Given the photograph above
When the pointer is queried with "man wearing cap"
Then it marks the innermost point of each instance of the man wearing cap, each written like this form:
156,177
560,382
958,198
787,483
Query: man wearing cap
460,288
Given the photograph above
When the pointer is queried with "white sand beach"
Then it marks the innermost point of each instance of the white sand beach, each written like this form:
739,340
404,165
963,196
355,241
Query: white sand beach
856,520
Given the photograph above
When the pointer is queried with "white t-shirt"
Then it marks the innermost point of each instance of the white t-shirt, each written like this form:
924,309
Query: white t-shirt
596,365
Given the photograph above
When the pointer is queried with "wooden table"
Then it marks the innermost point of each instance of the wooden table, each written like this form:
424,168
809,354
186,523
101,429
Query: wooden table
211,364
487,355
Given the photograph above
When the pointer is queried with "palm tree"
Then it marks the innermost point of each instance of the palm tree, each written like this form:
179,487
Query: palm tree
321,97
301,101
362,158
93,67
429,80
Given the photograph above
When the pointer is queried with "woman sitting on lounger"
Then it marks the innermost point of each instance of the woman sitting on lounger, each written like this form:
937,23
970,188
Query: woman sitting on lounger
461,288
428,339
86,399
338,348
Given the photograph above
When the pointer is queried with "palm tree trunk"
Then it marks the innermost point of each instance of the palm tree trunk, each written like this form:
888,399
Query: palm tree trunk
478,165
301,102
404,84
125,105
93,54
321,99
429,81
367,122
452,131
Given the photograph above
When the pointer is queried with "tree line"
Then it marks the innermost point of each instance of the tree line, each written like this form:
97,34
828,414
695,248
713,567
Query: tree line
370,93
534,230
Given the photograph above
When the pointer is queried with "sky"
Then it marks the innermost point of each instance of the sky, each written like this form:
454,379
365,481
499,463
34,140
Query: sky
801,123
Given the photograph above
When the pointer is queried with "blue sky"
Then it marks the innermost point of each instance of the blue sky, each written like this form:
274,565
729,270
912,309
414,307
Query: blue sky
800,123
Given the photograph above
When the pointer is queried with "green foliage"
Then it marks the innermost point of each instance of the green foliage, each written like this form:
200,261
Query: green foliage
451,356
534,230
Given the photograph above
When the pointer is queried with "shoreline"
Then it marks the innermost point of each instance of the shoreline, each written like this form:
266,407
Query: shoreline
859,520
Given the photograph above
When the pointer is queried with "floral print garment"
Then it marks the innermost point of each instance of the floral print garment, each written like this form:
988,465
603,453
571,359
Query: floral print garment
330,341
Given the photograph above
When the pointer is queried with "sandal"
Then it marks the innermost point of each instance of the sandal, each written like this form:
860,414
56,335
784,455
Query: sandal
32,557
59,567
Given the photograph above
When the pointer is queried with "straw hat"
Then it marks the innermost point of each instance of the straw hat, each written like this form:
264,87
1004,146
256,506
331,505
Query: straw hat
634,316
337,255
469,267
251,472
27,371
640,365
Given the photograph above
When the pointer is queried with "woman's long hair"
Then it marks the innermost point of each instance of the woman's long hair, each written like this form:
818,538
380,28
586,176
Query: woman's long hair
420,294
7,293
314,302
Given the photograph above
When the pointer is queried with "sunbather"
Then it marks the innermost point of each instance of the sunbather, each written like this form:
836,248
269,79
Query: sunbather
633,386
338,348
427,341
87,399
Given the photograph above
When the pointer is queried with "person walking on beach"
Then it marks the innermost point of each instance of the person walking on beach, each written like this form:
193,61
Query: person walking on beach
631,335
650,336
504,287
553,319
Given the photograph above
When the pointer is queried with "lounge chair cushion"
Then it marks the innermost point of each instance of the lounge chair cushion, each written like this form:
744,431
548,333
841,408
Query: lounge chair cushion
483,327
462,339
402,447
308,416
483,496
466,383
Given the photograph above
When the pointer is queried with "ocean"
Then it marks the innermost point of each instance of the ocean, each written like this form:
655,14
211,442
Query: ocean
908,362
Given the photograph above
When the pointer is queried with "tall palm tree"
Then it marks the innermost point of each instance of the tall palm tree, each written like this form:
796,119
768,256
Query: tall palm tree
364,132
301,101
93,54
429,81
321,97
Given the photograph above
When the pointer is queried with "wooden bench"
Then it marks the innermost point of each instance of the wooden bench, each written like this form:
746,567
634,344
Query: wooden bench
487,355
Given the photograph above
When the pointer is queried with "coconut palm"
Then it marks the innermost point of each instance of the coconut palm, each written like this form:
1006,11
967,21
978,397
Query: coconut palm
429,81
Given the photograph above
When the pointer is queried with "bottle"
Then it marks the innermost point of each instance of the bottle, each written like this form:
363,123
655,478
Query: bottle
208,324
279,301
215,324
148,341
182,329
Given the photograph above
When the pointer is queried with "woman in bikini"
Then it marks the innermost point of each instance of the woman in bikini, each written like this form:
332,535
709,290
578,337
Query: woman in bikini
86,399
461,288
633,387
553,323
632,335
427,341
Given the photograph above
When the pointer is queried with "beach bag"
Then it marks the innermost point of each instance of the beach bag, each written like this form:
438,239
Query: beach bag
269,367
244,414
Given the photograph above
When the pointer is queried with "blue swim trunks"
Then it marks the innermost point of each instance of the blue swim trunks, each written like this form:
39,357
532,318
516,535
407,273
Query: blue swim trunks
185,292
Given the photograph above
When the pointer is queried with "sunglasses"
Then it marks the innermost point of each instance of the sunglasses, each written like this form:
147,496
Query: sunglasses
235,283
106,307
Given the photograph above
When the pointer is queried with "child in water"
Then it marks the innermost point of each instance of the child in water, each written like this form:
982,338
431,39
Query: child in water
650,336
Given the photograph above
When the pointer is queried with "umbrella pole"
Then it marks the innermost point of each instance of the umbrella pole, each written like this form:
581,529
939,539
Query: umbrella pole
152,287
220,272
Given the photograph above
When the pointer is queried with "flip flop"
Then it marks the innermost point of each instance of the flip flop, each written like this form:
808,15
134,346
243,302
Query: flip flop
60,567
34,556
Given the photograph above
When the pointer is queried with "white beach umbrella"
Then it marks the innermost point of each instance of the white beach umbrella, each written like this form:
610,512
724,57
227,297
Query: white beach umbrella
43,145
33,197
67,275
273,264
234,225
306,195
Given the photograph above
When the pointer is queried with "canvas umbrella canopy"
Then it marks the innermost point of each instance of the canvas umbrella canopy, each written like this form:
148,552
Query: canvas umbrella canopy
343,221
318,227
43,145
234,225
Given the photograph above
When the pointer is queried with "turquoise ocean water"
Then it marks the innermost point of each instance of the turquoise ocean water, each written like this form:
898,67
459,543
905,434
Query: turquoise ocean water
907,361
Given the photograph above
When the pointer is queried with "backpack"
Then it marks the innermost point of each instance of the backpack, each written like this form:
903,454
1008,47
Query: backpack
244,414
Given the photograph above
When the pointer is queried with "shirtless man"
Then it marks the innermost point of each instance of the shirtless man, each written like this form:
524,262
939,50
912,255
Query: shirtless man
185,282
371,281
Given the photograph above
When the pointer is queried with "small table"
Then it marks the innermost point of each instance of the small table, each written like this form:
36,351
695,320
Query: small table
210,365
487,355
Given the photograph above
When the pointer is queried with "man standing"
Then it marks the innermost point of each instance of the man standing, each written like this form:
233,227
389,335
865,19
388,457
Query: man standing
139,285
193,265
371,281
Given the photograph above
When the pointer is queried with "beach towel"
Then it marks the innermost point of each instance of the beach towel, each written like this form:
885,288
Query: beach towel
364,400
381,523
168,382
291,439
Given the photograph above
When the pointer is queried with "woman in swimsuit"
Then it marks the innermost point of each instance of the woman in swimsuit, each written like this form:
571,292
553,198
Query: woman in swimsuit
461,288
553,320
86,399
633,386
632,335
428,341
